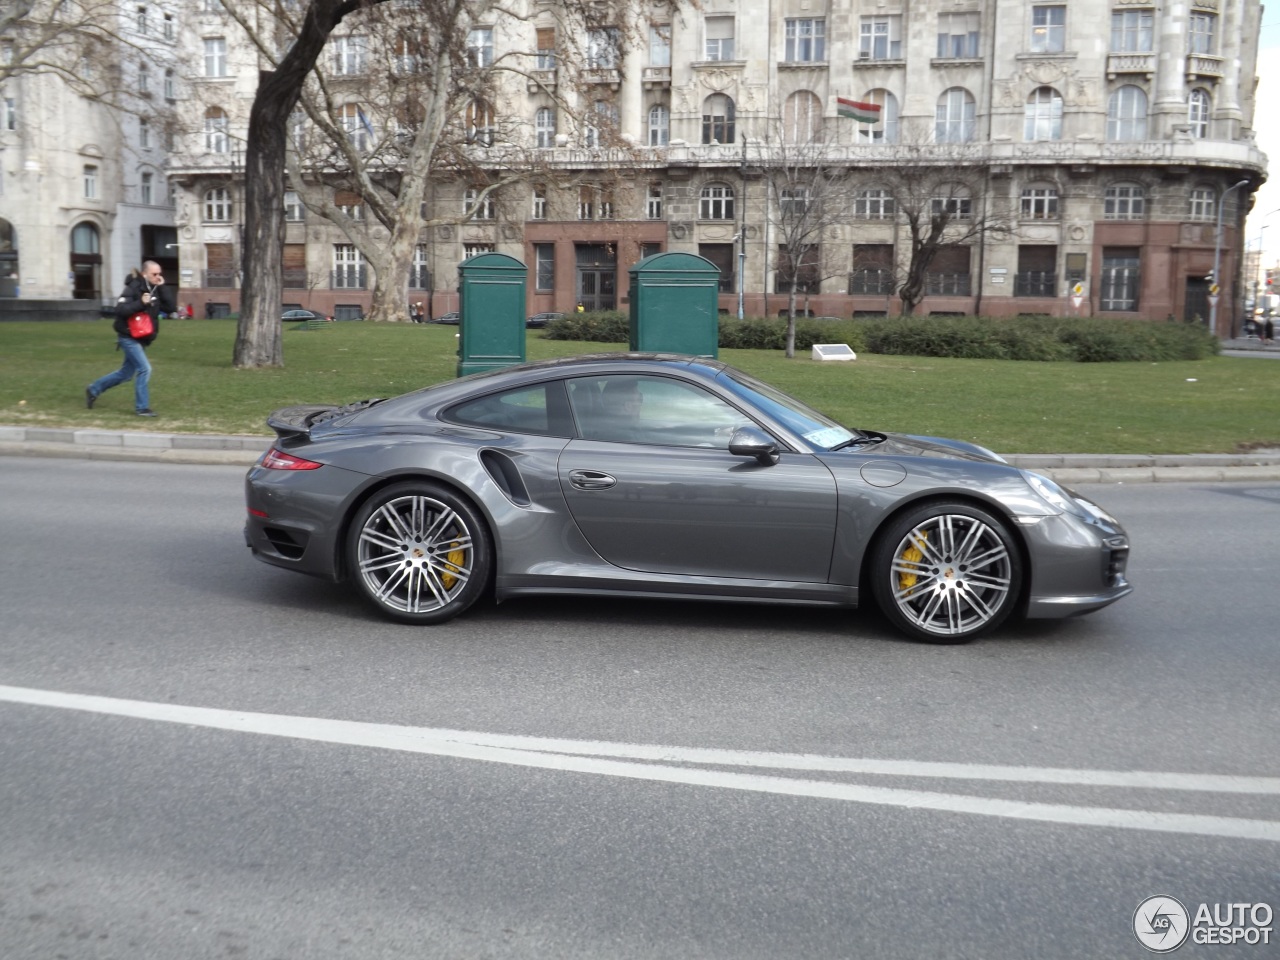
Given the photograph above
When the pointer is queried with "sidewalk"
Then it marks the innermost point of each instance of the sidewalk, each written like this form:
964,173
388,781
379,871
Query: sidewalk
1262,465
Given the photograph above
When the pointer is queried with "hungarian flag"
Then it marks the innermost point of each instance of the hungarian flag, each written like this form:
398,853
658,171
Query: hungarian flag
862,112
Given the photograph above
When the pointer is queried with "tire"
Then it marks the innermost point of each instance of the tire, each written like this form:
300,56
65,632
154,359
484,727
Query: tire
947,572
419,552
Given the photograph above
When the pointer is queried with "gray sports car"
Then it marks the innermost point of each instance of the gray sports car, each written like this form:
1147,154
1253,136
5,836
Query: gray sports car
648,475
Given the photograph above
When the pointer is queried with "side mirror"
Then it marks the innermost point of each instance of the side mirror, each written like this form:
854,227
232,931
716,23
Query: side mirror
754,442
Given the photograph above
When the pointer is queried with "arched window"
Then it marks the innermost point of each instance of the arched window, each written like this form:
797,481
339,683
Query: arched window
716,202
1198,107
544,126
215,130
659,125
1039,202
956,116
1124,201
717,119
601,125
480,123
885,130
355,125
85,239
1202,202
217,205
1127,114
1043,115
801,117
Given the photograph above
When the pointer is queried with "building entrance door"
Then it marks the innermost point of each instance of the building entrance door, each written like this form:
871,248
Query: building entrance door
1196,305
597,276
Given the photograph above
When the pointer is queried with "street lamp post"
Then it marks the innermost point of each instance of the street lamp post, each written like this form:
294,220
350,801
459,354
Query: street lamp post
1216,288
742,232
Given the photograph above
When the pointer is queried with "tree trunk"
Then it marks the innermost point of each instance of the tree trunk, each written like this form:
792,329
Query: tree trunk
791,321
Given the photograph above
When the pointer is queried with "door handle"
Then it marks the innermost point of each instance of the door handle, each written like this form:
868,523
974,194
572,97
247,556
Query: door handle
591,480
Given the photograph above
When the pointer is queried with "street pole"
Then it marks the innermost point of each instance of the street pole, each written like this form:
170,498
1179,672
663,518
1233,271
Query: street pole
1215,289
742,232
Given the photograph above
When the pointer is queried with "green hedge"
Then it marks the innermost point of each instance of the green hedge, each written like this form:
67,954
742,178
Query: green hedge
1090,340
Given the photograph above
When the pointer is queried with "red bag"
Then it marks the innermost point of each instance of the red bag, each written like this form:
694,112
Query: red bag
141,325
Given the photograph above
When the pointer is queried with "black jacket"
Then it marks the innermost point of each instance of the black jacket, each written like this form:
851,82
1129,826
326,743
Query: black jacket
130,302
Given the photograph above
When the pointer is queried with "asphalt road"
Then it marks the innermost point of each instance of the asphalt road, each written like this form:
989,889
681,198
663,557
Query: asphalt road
976,801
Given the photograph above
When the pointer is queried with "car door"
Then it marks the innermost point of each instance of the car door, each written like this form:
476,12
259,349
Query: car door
653,487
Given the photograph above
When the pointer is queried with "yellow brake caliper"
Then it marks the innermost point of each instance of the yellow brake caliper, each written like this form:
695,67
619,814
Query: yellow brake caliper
454,558
913,554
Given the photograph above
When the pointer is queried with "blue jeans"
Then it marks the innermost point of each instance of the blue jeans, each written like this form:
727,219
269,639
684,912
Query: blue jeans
136,367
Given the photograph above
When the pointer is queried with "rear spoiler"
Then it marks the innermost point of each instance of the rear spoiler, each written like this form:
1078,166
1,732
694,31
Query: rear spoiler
295,423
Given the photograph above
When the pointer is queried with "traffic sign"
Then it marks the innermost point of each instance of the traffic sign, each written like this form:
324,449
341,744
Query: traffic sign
1077,290
1213,289
1213,300
1076,301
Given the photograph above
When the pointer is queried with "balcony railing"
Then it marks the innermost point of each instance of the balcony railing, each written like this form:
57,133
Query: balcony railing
657,77
947,285
1203,65
219,278
871,281
1035,283
1118,63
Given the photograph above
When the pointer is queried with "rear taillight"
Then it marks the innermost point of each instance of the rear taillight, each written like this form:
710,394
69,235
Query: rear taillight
275,459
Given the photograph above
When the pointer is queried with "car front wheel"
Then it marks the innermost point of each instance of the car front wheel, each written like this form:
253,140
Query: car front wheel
947,572
420,552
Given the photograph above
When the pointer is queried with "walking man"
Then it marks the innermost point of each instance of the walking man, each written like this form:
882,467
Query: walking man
143,293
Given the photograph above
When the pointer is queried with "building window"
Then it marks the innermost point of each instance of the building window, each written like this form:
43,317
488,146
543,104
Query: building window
586,203
872,269
602,124
10,113
602,48
1124,201
544,267
880,38
1037,274
1039,203
884,130
293,209
956,115
539,207
659,125
660,45
215,130
349,203
356,126
1132,31
1120,276
420,270
168,26
476,208
546,56
716,202
956,205
215,57
144,135
1048,29
544,127
170,86
470,250
1202,204
801,273
349,56
1043,115
793,202
144,79
1127,114
719,38
1198,107
957,36
653,202
874,203
142,21
718,119
480,47
147,189
801,117
481,128
948,275
1200,33
348,267
806,40
217,206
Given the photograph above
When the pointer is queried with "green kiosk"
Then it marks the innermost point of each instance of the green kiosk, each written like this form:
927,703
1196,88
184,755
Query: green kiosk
675,305
491,295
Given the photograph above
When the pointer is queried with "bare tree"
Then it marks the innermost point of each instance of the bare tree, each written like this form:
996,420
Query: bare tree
809,193
71,39
404,100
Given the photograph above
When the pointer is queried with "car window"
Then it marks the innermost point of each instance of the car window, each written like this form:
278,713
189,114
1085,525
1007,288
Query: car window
537,409
659,410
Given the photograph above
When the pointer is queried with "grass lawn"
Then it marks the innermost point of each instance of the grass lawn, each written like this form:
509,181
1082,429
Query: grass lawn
1209,406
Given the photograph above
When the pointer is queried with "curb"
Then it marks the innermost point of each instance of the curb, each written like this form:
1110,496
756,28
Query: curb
1263,465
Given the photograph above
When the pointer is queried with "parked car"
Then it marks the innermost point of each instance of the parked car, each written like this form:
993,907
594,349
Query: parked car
452,317
539,320
294,316
646,475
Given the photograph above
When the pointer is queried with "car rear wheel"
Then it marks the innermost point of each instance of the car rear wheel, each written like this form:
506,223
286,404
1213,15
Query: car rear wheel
947,572
420,552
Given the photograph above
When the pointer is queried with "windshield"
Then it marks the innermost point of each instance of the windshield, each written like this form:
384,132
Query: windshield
819,430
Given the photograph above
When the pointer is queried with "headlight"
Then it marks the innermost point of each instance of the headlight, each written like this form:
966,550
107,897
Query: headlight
1054,495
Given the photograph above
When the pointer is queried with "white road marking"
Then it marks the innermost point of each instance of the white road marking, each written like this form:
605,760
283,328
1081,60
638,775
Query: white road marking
598,758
